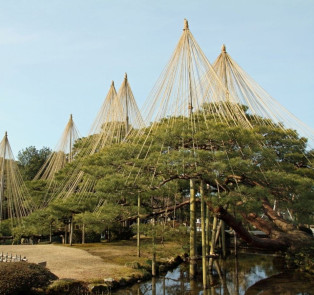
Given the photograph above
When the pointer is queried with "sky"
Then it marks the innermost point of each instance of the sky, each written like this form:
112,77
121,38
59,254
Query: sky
59,57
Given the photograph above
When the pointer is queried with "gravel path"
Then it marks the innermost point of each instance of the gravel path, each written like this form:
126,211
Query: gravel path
67,262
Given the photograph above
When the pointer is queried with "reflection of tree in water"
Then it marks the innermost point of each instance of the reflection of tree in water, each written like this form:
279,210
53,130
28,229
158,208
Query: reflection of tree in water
283,284
249,274
247,270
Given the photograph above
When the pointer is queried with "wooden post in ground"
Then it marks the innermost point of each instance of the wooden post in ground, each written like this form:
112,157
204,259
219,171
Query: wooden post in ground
236,272
204,260
50,233
153,286
66,233
83,233
223,240
193,285
235,236
207,230
192,230
138,227
154,250
71,230
213,242
211,283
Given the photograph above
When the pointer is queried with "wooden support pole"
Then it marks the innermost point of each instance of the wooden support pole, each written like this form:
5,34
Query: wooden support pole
207,230
218,229
223,240
204,260
66,233
154,250
83,233
138,226
154,286
126,105
213,242
50,233
236,272
2,215
71,230
235,237
192,230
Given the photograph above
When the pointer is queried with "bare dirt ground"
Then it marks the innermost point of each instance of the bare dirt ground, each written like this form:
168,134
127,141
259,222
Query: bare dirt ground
69,262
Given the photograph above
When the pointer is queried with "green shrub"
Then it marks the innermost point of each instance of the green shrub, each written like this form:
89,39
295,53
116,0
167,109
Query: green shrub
67,287
23,278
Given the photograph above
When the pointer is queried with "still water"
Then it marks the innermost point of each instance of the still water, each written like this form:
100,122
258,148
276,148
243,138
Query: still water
249,274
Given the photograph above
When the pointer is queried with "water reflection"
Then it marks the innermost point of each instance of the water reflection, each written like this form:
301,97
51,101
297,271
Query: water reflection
248,275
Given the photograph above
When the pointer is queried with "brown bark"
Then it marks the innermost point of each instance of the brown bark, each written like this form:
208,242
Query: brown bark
275,218
261,224
265,243
278,240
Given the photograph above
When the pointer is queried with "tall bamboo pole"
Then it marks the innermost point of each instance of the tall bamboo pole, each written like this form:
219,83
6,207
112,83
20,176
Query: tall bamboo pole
138,227
83,233
236,272
153,286
71,230
223,240
50,232
192,230
164,286
204,260
223,233
66,233
154,250
212,245
2,177
207,230
235,236
70,143
126,105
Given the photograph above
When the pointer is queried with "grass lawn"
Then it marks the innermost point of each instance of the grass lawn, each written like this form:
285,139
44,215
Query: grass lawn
123,252
95,262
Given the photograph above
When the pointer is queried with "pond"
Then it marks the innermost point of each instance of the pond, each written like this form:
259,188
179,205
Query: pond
248,274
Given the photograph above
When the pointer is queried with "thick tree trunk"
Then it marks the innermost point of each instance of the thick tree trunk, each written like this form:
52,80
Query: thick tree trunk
277,240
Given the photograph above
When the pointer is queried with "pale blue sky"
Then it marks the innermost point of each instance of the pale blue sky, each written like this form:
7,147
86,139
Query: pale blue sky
59,57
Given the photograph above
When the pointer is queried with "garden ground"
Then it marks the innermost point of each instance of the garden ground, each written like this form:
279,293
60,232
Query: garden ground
90,262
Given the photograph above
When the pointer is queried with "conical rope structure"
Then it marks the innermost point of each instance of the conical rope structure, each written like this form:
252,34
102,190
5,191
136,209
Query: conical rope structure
188,84
132,117
182,112
62,154
118,116
243,90
188,90
15,201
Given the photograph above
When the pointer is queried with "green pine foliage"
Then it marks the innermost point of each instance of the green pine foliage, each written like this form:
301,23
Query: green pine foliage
239,166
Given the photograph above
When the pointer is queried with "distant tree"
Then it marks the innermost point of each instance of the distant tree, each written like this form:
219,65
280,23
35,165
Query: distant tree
30,161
